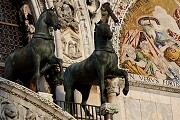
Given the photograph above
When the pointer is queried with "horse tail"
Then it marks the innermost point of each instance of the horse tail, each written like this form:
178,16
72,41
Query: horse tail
126,86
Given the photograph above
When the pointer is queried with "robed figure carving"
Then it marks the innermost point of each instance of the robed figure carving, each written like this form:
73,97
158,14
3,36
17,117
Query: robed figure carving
26,64
101,65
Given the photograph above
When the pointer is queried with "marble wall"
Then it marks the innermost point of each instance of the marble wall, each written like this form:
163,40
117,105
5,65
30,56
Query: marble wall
148,104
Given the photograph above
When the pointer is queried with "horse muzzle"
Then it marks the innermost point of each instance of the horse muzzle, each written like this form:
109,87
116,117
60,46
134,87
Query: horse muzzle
110,35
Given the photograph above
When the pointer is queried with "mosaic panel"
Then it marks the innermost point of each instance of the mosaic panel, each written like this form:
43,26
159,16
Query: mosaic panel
150,39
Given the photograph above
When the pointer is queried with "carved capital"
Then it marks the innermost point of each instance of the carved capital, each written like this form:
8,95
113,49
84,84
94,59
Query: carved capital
113,85
109,108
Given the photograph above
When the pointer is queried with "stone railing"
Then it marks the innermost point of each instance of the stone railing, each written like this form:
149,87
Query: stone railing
27,104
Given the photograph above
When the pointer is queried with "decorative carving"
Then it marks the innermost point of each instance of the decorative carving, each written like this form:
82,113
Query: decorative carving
42,4
36,99
8,111
85,30
66,14
27,22
94,8
113,85
26,10
71,45
30,29
109,108
30,115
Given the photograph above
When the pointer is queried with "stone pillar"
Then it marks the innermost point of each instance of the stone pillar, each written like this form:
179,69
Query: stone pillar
110,108
36,10
49,3
60,95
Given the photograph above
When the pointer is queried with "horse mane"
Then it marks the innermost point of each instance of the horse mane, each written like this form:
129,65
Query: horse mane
50,9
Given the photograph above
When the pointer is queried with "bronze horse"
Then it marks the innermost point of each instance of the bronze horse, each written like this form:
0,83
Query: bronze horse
95,69
25,64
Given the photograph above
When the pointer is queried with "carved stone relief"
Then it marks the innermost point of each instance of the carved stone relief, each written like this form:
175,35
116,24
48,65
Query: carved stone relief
19,103
94,9
85,27
72,46
76,40
30,115
42,5
27,22
66,12
8,111
109,108
113,85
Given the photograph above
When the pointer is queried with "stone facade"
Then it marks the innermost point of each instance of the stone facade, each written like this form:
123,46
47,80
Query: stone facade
152,96
27,105
148,104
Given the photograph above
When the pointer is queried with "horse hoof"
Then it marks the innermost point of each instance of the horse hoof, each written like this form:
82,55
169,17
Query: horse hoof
125,92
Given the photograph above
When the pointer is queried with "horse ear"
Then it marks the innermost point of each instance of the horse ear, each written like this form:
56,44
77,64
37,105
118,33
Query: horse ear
52,8
96,25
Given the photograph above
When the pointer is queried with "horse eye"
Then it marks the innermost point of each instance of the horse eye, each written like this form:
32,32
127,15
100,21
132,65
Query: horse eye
102,29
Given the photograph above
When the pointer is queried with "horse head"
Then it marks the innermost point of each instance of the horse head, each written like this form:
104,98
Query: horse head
104,30
52,19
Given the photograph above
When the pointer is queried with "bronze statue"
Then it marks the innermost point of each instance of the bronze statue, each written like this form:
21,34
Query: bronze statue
25,64
53,76
101,65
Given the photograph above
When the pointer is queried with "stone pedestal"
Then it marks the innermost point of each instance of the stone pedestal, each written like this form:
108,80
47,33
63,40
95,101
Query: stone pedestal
108,109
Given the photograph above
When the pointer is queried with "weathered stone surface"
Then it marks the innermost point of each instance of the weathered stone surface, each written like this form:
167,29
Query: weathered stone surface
28,104
133,110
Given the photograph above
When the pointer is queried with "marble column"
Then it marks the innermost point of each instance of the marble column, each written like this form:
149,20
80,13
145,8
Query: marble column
111,108
36,9
49,3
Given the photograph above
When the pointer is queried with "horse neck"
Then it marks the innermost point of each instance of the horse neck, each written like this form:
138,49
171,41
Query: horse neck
101,43
41,27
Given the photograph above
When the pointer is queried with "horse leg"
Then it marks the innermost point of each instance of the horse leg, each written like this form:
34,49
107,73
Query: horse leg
37,72
55,60
102,85
69,98
85,90
8,74
120,72
49,76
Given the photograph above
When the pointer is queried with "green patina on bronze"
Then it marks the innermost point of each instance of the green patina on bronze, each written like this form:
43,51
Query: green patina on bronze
25,64
95,69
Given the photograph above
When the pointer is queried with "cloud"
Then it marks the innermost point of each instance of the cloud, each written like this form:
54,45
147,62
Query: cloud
167,21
